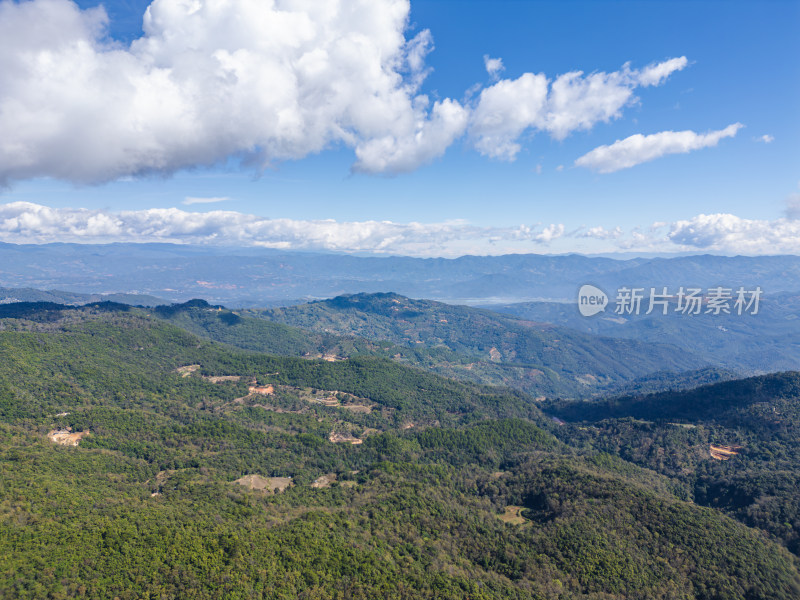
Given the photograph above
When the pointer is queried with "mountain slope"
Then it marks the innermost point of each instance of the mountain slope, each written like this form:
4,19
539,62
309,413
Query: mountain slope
67,357
167,493
767,341
582,364
734,445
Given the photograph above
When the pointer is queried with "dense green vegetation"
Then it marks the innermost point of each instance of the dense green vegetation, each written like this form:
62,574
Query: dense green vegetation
456,491
535,357
122,358
672,433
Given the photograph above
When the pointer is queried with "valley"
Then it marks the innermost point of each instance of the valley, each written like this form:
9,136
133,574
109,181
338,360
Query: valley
225,467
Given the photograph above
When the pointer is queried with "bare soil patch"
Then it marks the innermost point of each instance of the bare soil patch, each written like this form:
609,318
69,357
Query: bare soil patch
341,438
264,390
324,481
222,378
67,437
723,452
257,482
187,370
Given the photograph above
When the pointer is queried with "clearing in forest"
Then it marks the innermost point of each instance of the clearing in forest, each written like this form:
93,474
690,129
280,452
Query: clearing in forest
723,452
257,482
513,515
339,438
187,370
222,378
324,481
66,437
264,390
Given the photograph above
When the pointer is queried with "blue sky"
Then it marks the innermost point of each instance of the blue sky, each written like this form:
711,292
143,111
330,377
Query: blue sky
733,191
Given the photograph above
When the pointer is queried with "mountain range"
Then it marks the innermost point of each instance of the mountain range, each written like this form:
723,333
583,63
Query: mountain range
139,460
258,277
747,343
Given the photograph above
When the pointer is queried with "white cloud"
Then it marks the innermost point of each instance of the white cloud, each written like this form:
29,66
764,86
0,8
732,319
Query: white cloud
189,200
656,73
504,111
571,102
24,222
494,66
599,232
261,81
766,138
639,148
550,233
417,49
264,81
415,143
731,234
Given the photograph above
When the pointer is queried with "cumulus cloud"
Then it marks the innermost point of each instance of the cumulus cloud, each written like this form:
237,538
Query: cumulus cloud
572,102
599,232
25,222
265,81
262,82
494,66
504,111
732,234
425,139
766,139
639,148
189,200
550,233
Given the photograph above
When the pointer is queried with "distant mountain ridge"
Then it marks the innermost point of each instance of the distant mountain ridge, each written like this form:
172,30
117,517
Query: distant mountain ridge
767,341
11,295
264,277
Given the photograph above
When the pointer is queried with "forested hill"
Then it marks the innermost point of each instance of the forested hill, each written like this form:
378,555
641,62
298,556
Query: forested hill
720,402
733,445
533,358
582,363
121,354
140,461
